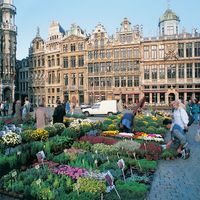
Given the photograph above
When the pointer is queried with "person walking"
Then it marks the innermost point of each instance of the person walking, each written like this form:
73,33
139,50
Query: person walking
195,110
41,116
26,109
67,107
73,107
59,113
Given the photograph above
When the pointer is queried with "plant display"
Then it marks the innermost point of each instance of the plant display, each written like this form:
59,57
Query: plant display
89,185
26,135
105,149
110,133
169,154
62,158
140,179
71,133
59,127
148,137
11,139
51,130
39,134
73,172
127,145
152,151
82,145
98,139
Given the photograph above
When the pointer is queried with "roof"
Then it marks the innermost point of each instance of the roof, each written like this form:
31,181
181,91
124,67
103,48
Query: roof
168,15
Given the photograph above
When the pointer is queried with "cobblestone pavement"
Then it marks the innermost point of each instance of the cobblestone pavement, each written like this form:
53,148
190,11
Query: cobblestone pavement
179,179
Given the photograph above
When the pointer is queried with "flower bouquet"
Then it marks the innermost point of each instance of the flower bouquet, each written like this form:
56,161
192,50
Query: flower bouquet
11,139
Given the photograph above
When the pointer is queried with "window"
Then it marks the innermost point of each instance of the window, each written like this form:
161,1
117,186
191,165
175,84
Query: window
96,54
130,81
129,38
122,38
123,81
96,106
146,73
53,61
49,78
109,81
117,82
58,77
96,67
116,53
90,82
181,50
90,55
80,46
80,61
90,68
43,61
102,43
154,72
136,81
108,67
73,61
189,49
189,70
38,61
58,90
136,52
162,72
136,65
102,81
197,70
116,66
65,48
162,86
161,51
66,79
73,79
197,49
123,53
53,90
108,53
129,65
102,54
181,71
96,44
154,52
146,52
53,77
123,65
96,81
171,71
102,67
58,60
81,79
73,47
65,62
170,30
129,53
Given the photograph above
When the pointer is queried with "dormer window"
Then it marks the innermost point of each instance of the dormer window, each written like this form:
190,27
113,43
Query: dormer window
37,45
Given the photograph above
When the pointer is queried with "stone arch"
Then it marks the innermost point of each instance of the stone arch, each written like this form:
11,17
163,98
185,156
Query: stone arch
7,94
171,95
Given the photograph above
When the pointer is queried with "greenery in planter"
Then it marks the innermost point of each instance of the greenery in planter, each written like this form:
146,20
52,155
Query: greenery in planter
71,133
59,127
127,145
89,185
105,149
169,153
82,163
26,135
82,145
62,158
51,130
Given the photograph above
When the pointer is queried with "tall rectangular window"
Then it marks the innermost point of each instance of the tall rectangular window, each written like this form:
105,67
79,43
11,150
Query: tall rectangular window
123,81
154,52
90,68
96,54
123,53
66,79
130,81
197,49
161,51
181,69
136,81
136,52
146,73
102,54
96,67
116,66
171,71
181,50
129,53
65,62
96,81
116,53
123,65
154,72
102,66
108,66
197,70
81,61
90,55
146,52
117,82
73,47
73,79
73,61
189,49
108,53
189,70
162,72
129,65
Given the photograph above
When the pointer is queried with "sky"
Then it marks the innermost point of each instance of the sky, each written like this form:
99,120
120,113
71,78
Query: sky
88,13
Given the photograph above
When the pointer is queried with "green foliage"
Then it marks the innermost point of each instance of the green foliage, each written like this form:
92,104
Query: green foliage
89,185
82,145
51,130
82,196
59,127
105,149
26,135
62,158
127,145
71,133
169,153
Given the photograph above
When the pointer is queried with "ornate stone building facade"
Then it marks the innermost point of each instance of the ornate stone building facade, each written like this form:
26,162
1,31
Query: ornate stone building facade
72,65
8,32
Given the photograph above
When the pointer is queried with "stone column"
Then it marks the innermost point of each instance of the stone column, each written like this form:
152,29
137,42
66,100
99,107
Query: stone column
166,99
150,97
158,97
185,96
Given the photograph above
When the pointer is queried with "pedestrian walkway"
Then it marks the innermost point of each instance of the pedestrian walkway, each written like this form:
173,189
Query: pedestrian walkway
179,179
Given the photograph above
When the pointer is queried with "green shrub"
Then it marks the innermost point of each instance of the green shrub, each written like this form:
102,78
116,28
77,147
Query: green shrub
62,158
26,135
90,185
59,127
82,145
71,133
105,149
51,130
127,145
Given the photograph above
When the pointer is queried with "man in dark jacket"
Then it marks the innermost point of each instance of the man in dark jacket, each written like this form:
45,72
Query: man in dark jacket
59,113
127,122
